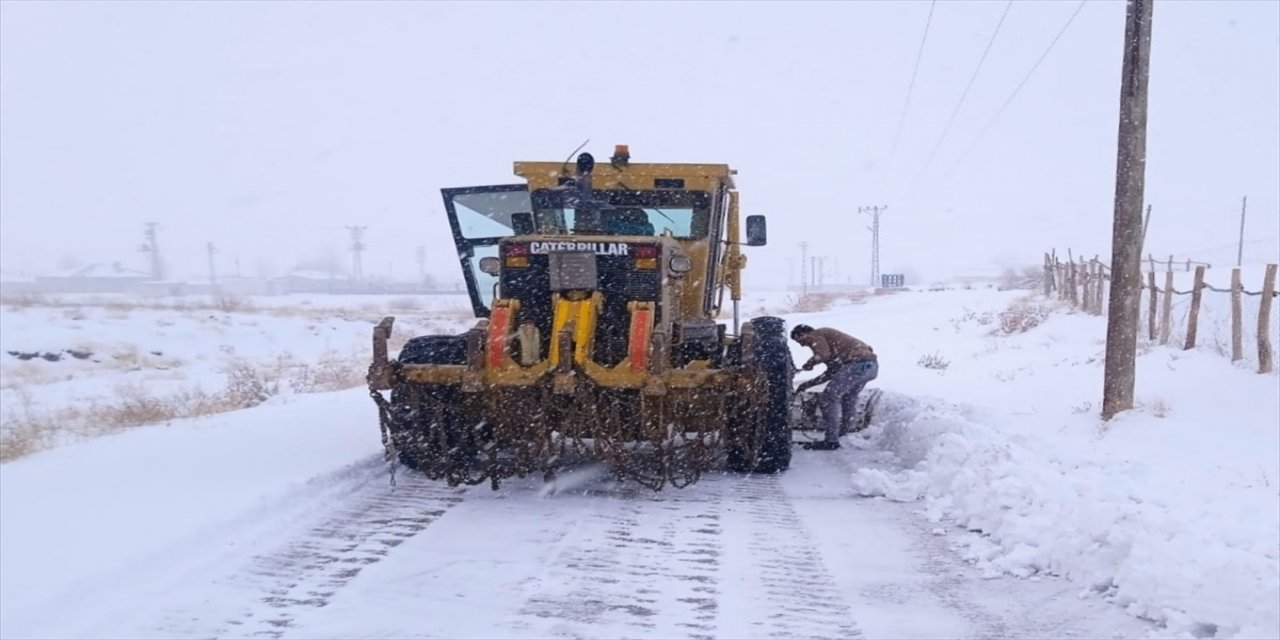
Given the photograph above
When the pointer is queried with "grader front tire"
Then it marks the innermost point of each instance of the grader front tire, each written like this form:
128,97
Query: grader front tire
760,436
773,357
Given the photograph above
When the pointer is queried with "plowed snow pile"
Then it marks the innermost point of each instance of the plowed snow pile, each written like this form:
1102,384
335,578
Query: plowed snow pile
1171,510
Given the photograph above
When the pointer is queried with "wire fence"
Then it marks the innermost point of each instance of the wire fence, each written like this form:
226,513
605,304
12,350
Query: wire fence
1169,310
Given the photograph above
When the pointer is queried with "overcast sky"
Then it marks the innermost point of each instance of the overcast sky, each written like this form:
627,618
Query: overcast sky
266,128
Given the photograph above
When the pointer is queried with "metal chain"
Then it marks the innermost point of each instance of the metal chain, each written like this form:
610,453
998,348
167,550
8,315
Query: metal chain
389,452
421,425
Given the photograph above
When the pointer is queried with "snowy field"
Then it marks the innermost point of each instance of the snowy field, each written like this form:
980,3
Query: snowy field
82,365
987,499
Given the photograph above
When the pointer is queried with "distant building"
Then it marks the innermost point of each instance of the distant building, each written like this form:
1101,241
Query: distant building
234,286
305,281
13,284
94,278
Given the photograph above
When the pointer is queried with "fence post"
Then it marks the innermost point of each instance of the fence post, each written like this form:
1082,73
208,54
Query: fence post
1151,312
1075,282
1058,283
1096,303
1237,321
1048,276
1065,280
1064,287
1193,316
1265,364
1100,291
1086,287
1069,270
1082,274
1166,310
1188,264
1095,276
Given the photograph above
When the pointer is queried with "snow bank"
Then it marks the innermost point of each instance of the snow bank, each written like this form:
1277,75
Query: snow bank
1172,511
92,529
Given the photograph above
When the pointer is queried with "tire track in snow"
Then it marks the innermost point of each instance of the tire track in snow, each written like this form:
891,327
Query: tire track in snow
307,573
794,594
645,564
655,566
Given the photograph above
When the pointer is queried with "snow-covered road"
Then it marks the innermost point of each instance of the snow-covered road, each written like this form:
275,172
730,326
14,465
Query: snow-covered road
734,556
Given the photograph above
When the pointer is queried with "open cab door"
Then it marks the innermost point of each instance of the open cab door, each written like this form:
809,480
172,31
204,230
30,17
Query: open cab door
480,217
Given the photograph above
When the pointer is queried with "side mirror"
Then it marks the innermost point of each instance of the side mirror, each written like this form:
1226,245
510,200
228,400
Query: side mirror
489,265
757,232
522,223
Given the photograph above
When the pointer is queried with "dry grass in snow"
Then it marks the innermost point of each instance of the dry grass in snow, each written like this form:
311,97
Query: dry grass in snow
31,429
71,369
823,301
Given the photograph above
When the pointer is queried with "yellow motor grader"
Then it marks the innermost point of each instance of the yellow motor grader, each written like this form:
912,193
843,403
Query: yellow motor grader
597,289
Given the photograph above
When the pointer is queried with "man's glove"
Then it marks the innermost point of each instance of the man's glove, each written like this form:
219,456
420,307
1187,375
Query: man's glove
808,366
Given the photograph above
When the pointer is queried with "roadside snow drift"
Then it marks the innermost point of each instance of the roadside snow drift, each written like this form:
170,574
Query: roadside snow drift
86,528
1171,511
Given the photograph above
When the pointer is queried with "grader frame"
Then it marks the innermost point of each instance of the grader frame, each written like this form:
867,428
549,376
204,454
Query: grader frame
597,334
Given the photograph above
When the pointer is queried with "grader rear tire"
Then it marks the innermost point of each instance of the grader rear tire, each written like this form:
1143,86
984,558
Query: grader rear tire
424,416
427,427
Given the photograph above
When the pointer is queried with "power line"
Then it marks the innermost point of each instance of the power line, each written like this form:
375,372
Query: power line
893,153
1013,95
964,94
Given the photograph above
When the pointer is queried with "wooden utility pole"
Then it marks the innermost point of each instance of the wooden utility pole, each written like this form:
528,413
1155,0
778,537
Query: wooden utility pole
1127,227
1244,202
1146,222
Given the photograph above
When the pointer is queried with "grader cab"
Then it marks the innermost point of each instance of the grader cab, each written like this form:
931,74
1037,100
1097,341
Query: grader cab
598,292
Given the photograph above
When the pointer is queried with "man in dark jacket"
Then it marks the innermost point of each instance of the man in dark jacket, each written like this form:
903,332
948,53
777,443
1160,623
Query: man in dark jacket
851,364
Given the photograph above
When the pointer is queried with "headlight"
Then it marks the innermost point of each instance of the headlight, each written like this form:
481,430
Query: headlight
489,265
680,264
